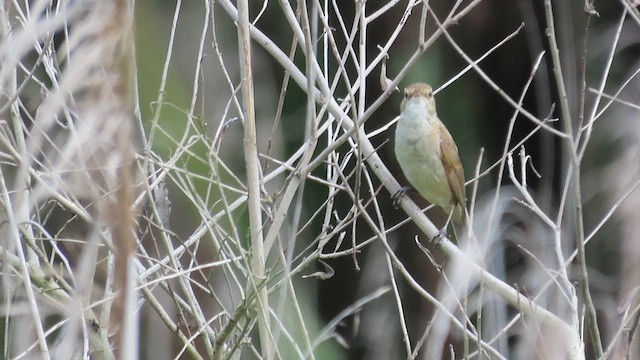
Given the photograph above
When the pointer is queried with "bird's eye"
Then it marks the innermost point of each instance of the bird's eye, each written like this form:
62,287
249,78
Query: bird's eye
406,93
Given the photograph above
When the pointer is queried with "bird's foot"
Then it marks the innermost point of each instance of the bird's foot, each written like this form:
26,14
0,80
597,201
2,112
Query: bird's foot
442,233
399,194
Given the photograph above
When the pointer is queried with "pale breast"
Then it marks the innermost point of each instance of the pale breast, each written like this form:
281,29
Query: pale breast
418,151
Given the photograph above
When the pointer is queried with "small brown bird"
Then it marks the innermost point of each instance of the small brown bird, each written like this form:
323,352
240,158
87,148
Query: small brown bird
427,153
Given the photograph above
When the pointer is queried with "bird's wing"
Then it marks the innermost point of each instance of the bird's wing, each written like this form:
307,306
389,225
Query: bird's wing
452,165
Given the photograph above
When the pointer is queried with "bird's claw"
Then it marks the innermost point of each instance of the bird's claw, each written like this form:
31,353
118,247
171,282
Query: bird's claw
399,194
442,233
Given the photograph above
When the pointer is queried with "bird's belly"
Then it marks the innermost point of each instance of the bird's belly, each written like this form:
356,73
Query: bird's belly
419,158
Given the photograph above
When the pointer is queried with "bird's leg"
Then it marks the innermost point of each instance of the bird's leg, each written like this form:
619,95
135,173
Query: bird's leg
399,194
443,232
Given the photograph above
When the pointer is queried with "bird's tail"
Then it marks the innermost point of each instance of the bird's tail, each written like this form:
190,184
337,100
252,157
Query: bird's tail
460,221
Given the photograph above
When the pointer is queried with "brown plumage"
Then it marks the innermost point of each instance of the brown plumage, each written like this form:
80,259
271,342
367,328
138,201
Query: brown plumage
428,154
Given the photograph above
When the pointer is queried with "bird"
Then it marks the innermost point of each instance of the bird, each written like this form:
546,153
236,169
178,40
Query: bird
428,155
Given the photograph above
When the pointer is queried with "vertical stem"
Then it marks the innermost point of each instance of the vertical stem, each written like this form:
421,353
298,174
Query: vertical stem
592,320
253,179
557,70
